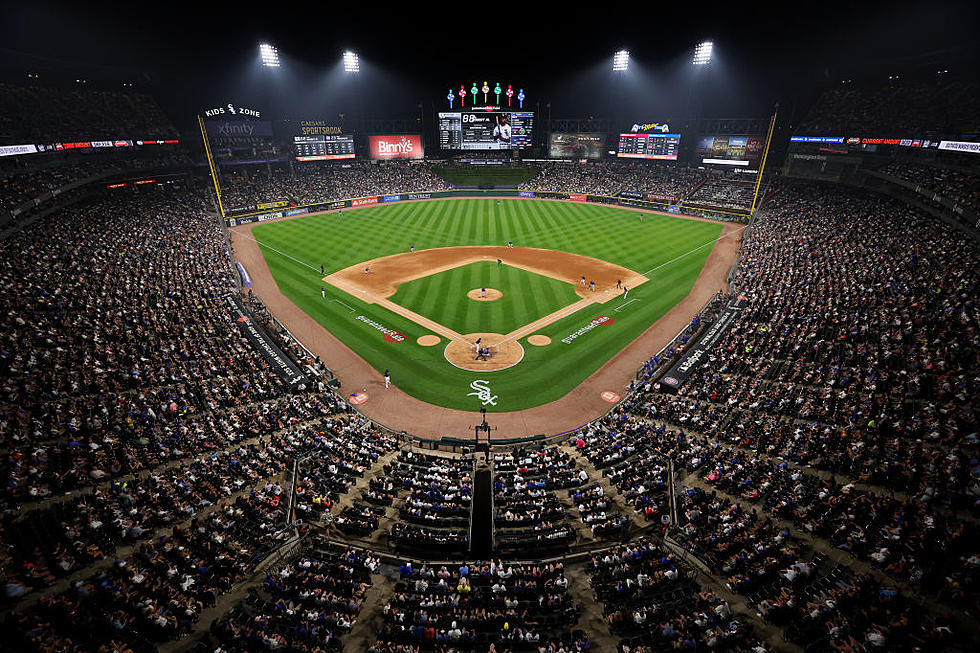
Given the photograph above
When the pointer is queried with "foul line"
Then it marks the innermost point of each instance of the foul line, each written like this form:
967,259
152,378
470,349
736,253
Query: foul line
259,242
710,242
625,304
352,310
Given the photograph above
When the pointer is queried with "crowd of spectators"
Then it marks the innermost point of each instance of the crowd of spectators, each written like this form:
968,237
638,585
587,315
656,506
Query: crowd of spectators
663,182
435,516
724,190
145,444
20,185
856,352
311,183
307,605
528,512
652,605
896,108
960,187
481,607
36,113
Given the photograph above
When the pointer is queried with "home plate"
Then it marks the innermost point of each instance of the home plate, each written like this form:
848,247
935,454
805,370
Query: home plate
358,398
610,396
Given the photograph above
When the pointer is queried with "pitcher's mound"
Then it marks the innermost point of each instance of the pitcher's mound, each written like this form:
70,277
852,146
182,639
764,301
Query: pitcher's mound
490,295
539,341
428,341
462,354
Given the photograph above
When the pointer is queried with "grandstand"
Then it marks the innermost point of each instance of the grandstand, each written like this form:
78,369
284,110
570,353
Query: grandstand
727,400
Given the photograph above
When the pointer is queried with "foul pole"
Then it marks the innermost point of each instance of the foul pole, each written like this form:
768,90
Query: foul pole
214,175
765,155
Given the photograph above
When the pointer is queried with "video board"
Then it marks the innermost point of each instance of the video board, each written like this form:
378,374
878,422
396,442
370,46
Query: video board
730,150
486,130
323,147
576,146
649,146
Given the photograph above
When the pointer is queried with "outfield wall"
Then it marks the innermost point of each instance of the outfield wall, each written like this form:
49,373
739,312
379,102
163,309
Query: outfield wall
261,215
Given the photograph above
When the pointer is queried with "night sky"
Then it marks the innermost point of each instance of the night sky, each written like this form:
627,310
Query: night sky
194,55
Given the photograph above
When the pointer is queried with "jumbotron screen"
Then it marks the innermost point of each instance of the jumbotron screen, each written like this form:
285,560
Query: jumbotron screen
324,147
730,150
486,130
649,146
576,146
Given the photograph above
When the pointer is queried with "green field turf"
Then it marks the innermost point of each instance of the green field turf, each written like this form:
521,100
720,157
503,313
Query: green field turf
671,251
526,297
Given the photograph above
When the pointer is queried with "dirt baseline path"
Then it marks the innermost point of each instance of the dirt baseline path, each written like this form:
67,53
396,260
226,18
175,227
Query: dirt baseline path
401,412
376,280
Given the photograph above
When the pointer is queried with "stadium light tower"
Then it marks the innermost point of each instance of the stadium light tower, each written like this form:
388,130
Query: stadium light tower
621,61
702,53
269,55
351,63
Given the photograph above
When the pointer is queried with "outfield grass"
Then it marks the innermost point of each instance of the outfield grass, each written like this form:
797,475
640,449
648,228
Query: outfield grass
671,251
526,297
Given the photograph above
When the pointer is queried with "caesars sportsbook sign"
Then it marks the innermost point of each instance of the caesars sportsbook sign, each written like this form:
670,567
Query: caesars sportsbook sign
401,146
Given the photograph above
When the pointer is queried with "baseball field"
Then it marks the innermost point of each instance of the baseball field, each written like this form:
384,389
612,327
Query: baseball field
506,272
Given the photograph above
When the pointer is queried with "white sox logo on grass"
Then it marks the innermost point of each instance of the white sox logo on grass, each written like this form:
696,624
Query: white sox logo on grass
389,335
482,393
602,320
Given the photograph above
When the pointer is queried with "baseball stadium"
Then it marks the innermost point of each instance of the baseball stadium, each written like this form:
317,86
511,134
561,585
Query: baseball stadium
571,340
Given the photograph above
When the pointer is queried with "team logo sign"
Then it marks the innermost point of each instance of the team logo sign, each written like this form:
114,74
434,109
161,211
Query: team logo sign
669,380
388,335
482,393
610,396
358,398
599,321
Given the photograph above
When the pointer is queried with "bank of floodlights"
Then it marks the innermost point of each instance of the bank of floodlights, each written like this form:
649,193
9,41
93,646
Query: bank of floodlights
269,55
702,53
621,61
351,64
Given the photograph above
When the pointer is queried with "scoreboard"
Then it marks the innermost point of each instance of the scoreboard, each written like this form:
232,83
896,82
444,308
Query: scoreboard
324,147
486,130
649,146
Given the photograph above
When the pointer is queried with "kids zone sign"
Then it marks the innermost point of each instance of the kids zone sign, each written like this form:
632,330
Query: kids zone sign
400,146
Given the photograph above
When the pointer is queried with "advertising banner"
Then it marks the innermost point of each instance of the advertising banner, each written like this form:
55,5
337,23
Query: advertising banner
14,150
401,146
960,146
364,201
271,205
699,351
278,361
238,128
